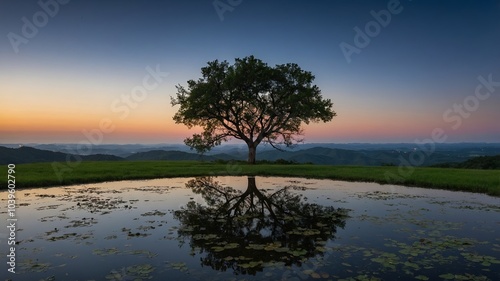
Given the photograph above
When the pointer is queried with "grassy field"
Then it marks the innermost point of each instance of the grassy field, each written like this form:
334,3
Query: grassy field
47,174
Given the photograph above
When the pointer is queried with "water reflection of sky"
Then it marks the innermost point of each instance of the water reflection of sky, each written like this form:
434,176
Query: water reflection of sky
135,218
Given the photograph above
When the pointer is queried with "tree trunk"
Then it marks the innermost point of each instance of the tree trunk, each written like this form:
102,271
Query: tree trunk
252,149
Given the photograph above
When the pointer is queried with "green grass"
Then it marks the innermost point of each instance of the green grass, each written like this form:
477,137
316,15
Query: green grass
43,174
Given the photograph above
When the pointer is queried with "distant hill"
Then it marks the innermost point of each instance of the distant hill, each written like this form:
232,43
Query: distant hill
26,154
178,156
320,155
101,157
481,162
168,155
334,156
314,155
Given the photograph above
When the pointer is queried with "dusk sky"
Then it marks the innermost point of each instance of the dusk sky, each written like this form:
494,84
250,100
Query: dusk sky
67,67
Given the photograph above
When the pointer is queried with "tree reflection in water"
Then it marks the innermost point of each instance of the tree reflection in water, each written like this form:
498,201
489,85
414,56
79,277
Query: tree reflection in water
245,231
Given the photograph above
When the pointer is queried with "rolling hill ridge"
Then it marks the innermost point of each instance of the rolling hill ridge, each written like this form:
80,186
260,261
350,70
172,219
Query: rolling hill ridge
314,155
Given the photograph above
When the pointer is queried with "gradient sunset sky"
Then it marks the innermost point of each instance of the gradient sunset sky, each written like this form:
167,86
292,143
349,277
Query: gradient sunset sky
66,77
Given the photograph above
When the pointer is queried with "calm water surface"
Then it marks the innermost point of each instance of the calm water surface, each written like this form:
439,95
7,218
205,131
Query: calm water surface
239,228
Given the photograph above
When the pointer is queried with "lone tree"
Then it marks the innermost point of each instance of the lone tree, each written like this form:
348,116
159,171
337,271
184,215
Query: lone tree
252,102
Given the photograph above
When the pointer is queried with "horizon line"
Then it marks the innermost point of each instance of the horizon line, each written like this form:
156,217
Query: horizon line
243,144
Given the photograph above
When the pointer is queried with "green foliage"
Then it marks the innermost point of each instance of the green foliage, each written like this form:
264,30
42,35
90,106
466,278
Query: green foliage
284,162
250,101
481,162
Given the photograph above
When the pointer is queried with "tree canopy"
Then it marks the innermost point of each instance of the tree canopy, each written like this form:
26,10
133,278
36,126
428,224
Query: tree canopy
252,102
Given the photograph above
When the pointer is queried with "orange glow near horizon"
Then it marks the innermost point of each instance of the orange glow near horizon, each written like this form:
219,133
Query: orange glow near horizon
159,128
53,110
73,74
151,122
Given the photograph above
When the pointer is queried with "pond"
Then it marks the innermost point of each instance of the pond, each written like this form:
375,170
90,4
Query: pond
246,228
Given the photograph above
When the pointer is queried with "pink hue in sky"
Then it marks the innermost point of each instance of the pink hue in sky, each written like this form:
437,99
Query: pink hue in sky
90,56
69,110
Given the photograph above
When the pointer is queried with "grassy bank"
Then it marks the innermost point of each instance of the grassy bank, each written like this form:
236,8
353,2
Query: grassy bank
44,174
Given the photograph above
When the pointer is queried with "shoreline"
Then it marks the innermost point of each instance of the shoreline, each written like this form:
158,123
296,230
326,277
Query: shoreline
47,175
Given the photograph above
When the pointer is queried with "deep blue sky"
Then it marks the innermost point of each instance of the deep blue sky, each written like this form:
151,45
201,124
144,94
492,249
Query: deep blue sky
423,62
